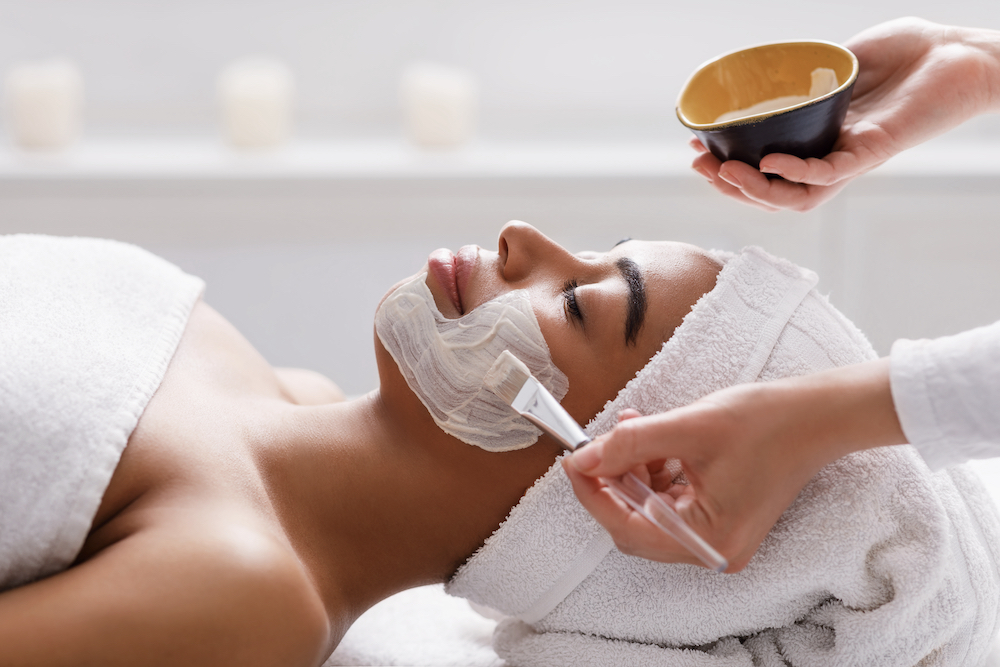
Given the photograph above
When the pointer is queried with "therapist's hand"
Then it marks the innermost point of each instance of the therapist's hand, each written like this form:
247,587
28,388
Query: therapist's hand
747,451
917,80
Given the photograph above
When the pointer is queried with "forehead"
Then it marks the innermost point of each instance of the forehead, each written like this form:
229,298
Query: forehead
657,257
675,276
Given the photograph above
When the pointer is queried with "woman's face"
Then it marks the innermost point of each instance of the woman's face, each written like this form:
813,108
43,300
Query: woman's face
603,314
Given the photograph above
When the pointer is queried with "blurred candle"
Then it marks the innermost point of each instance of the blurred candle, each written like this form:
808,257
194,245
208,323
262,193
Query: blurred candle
44,101
440,105
256,96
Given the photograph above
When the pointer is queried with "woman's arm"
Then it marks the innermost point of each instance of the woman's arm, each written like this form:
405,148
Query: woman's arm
917,80
157,598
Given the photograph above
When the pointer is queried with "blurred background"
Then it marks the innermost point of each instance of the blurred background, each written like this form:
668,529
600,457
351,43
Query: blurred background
400,126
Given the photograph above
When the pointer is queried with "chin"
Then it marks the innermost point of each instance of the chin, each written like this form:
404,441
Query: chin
397,285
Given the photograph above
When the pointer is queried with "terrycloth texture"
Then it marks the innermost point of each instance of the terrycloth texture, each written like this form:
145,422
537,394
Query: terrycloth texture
878,562
421,626
87,329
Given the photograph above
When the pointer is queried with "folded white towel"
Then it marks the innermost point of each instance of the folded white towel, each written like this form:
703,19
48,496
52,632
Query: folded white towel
87,329
878,562
420,626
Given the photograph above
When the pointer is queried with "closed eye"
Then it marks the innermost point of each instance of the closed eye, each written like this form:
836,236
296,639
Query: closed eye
570,304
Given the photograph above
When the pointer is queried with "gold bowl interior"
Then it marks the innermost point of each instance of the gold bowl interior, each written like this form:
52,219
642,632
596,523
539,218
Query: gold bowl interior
743,78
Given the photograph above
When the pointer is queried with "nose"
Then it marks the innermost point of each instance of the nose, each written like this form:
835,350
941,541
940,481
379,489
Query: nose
524,250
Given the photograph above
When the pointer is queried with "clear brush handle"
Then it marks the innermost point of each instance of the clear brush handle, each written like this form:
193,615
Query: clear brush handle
646,502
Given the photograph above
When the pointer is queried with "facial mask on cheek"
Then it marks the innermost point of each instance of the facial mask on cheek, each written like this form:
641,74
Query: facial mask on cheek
444,361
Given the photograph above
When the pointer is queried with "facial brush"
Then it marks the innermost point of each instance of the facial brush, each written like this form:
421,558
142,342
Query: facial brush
513,383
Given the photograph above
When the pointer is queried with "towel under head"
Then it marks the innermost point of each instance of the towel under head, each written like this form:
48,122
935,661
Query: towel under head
878,562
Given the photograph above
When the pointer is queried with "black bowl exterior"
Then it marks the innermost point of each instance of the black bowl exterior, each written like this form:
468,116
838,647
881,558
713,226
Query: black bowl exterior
809,131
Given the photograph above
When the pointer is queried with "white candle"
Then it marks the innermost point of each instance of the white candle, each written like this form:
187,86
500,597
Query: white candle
256,96
44,103
440,105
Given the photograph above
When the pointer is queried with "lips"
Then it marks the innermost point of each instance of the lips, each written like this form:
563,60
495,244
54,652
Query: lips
452,272
442,265
465,264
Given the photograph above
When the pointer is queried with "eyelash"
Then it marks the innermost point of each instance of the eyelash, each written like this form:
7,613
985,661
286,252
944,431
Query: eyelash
570,304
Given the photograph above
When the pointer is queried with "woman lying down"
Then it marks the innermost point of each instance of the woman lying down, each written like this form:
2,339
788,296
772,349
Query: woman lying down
252,517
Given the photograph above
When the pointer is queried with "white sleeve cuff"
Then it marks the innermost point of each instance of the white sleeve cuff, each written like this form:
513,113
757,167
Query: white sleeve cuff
909,364
947,395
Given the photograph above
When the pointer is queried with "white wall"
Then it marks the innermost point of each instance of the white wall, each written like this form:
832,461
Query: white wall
548,67
298,263
578,137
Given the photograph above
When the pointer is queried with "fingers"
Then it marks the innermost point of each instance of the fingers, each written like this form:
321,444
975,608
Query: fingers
632,442
708,165
661,477
830,170
776,193
797,170
633,533
597,498
628,413
804,184
696,144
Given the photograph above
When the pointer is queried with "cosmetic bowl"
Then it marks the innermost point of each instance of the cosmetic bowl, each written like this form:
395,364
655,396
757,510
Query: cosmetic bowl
806,127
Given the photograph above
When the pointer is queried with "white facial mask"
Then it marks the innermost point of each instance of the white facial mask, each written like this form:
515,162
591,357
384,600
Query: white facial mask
444,361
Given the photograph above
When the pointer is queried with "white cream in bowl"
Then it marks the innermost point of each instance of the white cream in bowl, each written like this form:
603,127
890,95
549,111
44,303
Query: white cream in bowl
824,81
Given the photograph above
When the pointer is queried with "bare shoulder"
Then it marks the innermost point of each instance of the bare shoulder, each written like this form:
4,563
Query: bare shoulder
231,597
307,387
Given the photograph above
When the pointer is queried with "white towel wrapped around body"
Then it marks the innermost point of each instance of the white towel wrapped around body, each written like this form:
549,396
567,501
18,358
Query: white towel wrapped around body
87,330
877,563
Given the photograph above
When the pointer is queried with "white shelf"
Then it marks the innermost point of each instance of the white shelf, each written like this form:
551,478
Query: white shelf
121,161
205,159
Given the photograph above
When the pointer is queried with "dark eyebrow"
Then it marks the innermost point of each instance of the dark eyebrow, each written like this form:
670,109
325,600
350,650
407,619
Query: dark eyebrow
636,298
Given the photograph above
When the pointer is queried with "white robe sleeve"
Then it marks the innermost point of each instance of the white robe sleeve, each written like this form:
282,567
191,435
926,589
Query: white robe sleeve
947,395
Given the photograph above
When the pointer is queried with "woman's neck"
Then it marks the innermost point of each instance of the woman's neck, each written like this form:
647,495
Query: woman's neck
376,500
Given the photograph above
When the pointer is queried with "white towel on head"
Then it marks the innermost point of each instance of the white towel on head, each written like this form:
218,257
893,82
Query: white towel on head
87,329
878,562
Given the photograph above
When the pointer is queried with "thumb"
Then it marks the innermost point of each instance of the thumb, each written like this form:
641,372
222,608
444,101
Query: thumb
634,441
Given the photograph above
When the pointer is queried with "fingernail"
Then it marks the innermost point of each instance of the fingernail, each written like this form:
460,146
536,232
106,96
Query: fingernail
704,173
586,459
772,171
731,179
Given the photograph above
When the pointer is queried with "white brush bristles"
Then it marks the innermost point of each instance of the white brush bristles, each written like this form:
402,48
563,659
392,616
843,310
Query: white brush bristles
506,376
